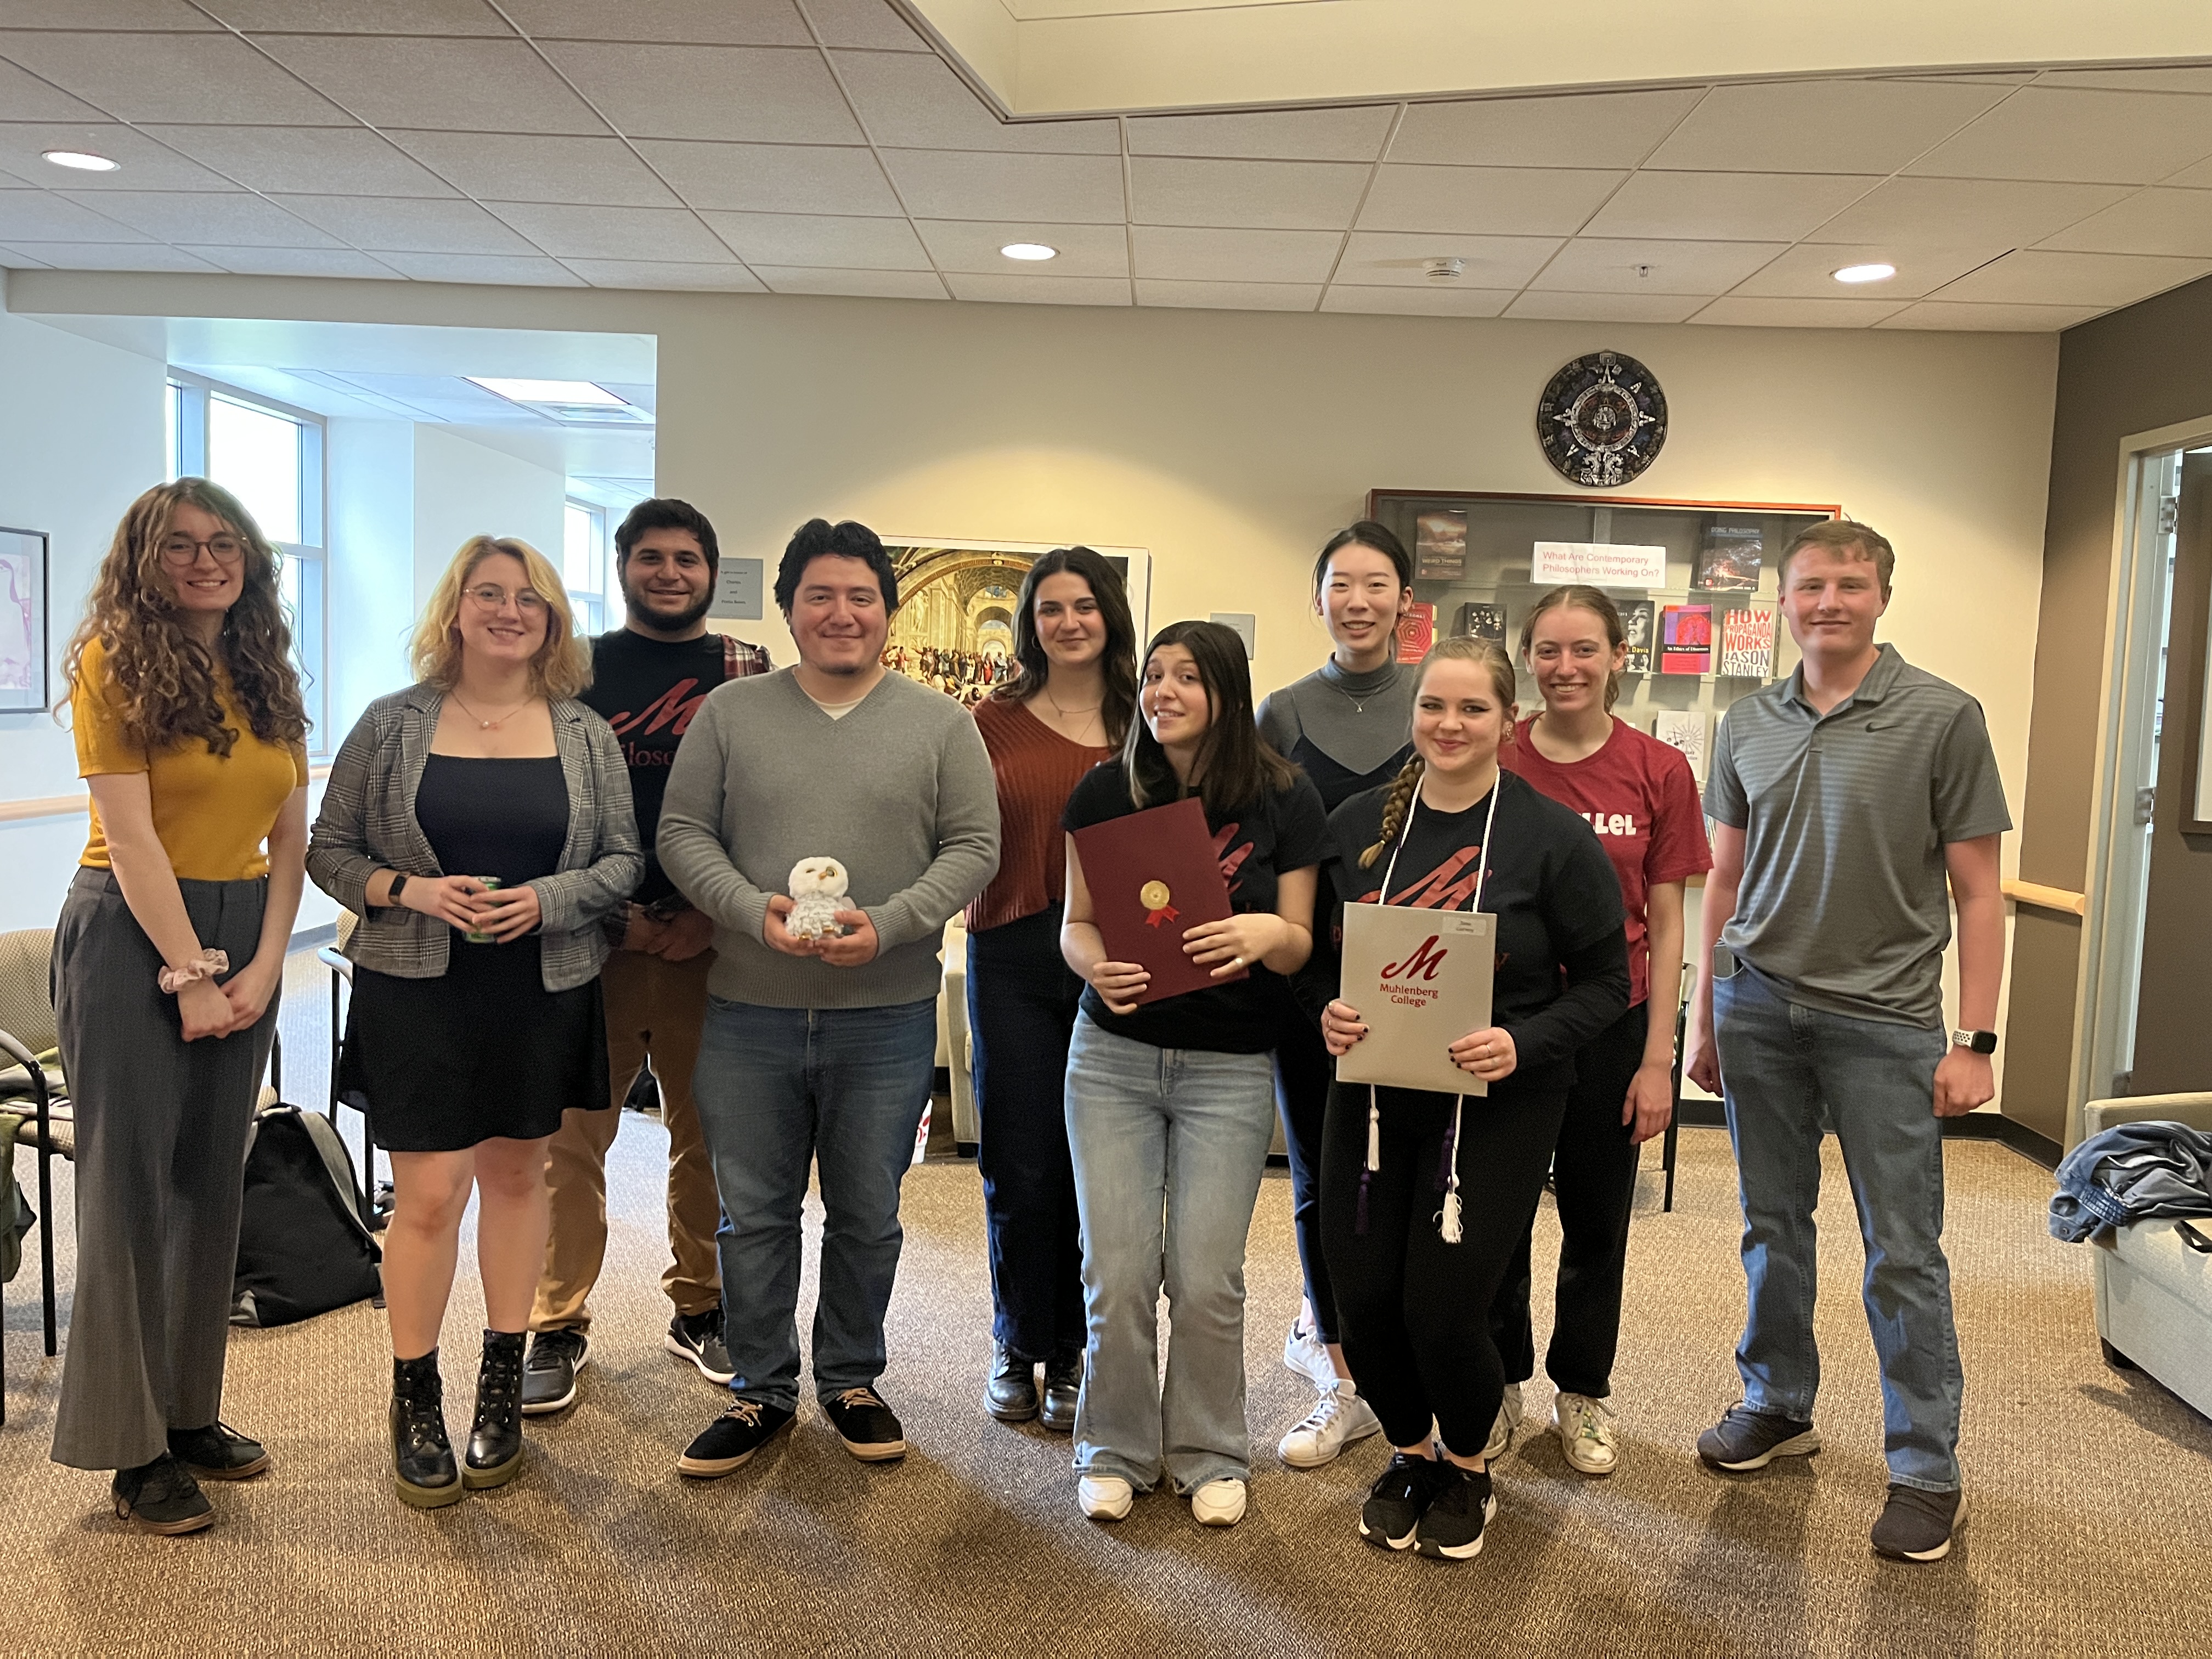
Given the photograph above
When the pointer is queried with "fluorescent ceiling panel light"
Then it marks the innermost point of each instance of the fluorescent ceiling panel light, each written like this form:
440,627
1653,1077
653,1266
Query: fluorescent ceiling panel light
82,161
546,391
1866,273
1030,251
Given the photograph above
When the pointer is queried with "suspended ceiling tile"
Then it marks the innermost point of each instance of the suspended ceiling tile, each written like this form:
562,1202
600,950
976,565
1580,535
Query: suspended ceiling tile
1234,256
756,93
1297,135
567,231
430,17
1393,258
859,284
973,245
1486,201
107,15
2078,136
821,241
42,216
2198,177
1024,289
1417,302
296,262
171,77
1798,313
1598,264
2140,80
24,97
467,86
869,23
910,101
116,256
1595,130
1966,211
15,259
1259,195
1230,296
2176,221
1547,306
774,178
691,22
379,224
1808,270
2024,319
509,167
1820,126
944,183
1750,207
146,162
308,161
236,220
2033,276
723,278
522,271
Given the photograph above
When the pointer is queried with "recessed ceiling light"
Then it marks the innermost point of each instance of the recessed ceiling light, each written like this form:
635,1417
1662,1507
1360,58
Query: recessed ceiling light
547,392
1030,251
1875,273
82,161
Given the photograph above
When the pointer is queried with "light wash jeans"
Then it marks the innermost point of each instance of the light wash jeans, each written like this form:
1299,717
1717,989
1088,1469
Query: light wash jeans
778,1089
1782,1064
1170,1145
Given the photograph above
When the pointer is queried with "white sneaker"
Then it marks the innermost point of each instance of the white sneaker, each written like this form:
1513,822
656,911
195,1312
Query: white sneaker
1509,1410
1340,1417
1219,1503
1586,1432
1305,1352
1104,1496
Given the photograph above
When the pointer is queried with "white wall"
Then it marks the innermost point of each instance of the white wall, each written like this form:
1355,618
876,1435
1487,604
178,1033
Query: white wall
464,490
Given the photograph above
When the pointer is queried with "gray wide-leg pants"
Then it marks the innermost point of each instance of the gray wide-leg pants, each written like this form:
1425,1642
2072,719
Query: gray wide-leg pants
160,1156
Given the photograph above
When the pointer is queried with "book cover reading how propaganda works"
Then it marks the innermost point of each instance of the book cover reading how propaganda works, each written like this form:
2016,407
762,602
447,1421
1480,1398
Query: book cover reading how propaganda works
1747,643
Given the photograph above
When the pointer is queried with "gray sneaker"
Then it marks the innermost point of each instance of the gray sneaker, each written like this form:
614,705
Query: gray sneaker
1745,1439
1916,1525
549,1376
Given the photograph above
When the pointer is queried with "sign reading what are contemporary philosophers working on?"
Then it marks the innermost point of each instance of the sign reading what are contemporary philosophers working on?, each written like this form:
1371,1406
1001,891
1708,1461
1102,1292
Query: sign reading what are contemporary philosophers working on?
1599,564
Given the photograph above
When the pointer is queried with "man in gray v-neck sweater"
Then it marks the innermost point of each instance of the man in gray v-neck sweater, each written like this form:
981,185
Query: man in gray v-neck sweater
821,1052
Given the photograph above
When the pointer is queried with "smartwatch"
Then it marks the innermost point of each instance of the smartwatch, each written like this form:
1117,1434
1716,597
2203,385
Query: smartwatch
1981,1043
398,881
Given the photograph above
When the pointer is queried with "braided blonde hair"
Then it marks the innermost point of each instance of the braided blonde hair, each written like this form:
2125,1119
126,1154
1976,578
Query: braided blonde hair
1400,800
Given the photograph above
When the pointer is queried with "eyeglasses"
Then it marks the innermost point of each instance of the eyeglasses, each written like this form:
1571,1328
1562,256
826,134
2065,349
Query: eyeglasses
529,601
183,551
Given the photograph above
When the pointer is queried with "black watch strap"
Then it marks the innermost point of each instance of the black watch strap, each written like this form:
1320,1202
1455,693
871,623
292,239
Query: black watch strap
398,882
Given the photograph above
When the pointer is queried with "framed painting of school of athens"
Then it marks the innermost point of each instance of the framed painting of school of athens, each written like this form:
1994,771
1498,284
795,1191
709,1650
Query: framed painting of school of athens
954,630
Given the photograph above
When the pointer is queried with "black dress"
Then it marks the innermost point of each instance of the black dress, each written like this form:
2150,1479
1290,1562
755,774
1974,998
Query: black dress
485,1050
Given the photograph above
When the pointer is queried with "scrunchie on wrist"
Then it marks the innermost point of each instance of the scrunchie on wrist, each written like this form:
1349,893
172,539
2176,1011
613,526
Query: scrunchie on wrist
206,965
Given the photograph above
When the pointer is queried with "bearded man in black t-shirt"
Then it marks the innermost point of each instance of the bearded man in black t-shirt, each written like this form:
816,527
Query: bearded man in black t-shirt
649,677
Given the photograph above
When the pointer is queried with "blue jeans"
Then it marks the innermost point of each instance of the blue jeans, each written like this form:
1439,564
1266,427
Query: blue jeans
1788,1071
778,1088
1170,1145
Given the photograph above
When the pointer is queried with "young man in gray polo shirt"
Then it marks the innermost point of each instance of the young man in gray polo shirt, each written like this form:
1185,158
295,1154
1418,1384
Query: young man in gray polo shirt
820,1051
1845,801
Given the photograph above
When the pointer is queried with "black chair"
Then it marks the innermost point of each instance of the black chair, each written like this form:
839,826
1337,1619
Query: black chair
333,957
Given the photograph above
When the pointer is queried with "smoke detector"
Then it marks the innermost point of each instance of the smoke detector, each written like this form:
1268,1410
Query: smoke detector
1446,270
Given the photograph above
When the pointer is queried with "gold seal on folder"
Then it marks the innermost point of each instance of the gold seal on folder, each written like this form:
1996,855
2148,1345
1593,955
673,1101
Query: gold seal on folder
1155,895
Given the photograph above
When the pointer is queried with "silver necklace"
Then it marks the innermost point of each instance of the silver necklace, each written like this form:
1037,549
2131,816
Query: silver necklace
483,724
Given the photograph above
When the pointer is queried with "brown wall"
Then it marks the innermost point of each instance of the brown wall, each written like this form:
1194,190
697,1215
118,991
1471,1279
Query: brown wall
2136,370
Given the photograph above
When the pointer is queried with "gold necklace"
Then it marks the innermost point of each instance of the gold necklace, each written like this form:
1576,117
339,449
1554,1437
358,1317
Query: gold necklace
1065,713
483,724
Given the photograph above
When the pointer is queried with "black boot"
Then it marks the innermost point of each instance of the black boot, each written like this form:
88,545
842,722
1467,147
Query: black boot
1063,1388
421,1456
1010,1393
495,1443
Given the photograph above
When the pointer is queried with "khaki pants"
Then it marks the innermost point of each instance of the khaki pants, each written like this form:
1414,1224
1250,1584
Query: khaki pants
655,1007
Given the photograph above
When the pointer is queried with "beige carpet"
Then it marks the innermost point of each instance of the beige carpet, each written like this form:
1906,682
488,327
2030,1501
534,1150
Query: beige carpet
2092,1491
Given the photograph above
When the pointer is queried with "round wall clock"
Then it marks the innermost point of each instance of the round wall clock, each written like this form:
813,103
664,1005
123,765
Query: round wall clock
1602,419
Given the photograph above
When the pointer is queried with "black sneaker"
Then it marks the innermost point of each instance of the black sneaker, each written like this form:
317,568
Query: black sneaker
1918,1525
868,1427
1396,1502
160,1496
218,1452
549,1376
731,1438
698,1338
1451,1527
1748,1439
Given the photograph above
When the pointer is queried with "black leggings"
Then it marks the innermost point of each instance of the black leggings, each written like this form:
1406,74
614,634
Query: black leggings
1412,1310
1303,1070
1594,1178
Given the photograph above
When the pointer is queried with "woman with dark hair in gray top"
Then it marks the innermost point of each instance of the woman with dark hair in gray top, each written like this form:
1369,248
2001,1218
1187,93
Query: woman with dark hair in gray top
1348,725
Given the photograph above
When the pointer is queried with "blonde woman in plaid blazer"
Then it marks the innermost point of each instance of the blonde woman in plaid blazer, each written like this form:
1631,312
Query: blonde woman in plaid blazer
479,823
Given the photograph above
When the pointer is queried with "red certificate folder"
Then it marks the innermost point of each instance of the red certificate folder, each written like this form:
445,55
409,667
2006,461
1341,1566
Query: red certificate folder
1151,875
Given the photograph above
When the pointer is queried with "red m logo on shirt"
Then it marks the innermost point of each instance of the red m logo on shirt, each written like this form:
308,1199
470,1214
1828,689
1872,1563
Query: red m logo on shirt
1422,964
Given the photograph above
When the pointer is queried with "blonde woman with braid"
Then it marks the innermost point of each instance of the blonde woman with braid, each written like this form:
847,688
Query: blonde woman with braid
1454,832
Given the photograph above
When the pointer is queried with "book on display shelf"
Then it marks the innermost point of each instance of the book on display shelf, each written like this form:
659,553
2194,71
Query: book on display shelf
1747,643
1688,730
1440,546
1728,559
1417,631
1421,981
1151,876
1638,620
1481,622
1686,639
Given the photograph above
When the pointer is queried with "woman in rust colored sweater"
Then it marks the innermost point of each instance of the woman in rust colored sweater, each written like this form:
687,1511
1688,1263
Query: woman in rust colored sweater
1067,710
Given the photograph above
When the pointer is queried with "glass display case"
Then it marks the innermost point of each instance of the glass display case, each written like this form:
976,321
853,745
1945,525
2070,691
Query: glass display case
1695,582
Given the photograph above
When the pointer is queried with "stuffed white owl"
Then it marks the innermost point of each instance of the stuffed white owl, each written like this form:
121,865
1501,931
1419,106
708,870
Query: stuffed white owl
817,893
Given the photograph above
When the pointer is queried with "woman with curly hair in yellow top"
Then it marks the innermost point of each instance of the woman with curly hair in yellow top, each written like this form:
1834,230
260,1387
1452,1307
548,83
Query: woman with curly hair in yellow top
167,961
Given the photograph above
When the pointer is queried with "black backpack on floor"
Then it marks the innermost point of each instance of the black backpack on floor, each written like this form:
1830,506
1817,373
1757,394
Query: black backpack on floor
302,1250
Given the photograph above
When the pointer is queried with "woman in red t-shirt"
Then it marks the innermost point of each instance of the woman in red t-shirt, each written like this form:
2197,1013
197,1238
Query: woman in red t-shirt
1638,794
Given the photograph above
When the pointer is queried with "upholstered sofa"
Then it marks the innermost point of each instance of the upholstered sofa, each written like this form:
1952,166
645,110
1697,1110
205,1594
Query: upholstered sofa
2153,1279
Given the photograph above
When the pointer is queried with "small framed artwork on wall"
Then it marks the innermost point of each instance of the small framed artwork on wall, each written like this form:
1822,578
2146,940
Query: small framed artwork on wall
23,655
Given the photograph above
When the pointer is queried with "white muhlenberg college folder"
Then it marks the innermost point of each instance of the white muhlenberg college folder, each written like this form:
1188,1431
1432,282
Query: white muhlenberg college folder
1420,980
